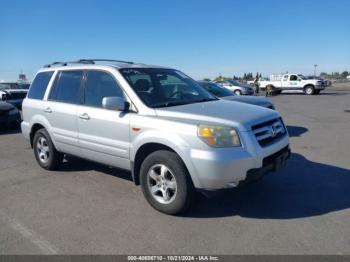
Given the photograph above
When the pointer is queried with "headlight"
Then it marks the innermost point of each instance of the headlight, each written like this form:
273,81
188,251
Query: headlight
219,136
13,111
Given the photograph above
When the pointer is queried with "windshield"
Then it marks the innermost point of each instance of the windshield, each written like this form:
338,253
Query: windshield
13,86
235,83
4,86
301,77
158,87
216,90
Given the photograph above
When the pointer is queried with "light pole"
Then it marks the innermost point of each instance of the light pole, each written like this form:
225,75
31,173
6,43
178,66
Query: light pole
315,65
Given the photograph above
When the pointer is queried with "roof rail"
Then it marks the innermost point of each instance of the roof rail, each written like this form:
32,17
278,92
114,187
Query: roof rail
70,62
87,61
104,60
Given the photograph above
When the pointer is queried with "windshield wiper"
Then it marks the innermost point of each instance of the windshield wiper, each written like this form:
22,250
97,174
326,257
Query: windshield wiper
204,100
178,103
168,104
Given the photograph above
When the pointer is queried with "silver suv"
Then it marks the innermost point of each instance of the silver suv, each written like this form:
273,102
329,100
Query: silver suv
174,136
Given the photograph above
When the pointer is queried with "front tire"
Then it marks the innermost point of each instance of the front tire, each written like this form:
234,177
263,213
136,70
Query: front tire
309,90
166,183
45,152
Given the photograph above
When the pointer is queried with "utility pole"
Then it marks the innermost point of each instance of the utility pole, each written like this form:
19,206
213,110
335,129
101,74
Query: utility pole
315,65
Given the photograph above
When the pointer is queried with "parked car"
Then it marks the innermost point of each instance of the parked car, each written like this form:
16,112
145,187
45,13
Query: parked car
13,92
9,116
236,87
293,82
173,135
226,94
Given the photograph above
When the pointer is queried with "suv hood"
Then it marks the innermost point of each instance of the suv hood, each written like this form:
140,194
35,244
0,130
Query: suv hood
5,106
253,100
220,112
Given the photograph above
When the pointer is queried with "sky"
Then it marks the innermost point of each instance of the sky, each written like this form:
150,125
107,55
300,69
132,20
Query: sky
200,37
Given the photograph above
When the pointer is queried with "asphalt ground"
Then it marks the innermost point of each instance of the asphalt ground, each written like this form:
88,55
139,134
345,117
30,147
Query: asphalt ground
87,208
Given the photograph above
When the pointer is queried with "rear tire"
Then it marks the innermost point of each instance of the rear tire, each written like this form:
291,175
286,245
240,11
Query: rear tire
45,152
238,92
165,182
309,90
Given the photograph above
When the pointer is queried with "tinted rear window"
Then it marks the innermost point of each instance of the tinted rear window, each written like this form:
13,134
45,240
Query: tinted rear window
67,87
39,85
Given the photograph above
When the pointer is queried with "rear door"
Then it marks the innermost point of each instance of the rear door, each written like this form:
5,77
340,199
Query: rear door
61,110
103,134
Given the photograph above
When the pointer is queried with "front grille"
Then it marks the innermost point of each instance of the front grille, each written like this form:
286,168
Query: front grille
3,113
268,132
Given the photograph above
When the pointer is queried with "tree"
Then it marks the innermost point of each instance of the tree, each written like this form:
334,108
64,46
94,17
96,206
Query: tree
344,74
206,79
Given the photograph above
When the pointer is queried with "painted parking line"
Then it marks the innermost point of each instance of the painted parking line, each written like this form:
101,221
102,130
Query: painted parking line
35,238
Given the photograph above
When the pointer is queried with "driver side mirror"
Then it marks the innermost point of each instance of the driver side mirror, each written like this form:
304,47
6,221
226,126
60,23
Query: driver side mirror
115,103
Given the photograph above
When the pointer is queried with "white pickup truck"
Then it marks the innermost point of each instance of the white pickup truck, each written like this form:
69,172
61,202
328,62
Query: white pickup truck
293,82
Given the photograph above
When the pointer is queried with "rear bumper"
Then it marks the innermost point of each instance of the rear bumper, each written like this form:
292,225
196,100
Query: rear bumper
25,130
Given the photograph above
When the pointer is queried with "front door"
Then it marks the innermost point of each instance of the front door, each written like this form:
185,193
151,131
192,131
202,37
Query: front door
294,83
103,134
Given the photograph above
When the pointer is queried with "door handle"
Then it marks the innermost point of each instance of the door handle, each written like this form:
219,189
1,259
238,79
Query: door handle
85,116
48,110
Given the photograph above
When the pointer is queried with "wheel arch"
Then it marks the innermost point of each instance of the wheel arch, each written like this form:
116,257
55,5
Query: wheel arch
37,123
33,130
146,149
307,85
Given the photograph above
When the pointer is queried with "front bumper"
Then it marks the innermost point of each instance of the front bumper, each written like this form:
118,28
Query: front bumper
227,167
320,87
248,92
270,164
16,102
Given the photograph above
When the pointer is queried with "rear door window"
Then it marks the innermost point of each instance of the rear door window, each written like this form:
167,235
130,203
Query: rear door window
38,88
66,88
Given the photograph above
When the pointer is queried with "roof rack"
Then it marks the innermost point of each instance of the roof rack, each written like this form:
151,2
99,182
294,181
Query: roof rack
92,61
87,61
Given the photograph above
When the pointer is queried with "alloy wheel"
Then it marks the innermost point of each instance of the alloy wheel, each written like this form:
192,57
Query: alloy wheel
162,184
43,150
